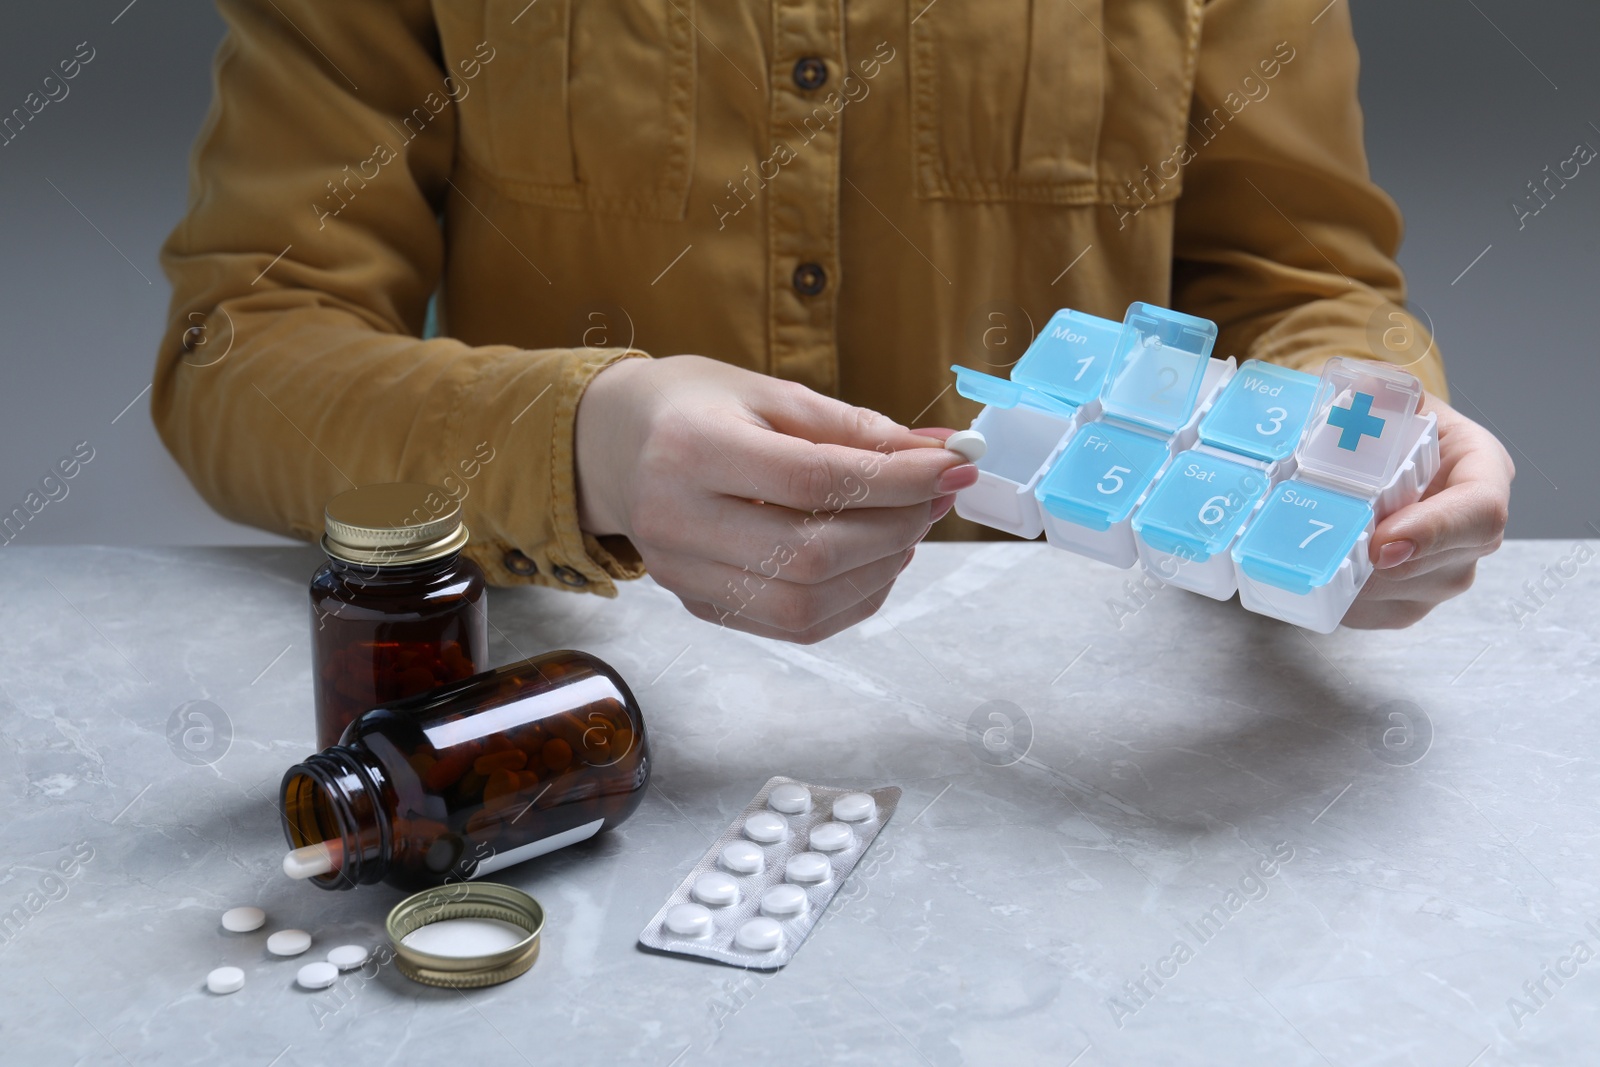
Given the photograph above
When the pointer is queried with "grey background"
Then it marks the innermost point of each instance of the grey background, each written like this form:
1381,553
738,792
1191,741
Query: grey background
1466,101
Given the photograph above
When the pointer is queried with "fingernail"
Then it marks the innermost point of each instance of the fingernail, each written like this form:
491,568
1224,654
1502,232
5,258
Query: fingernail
941,508
957,478
1395,553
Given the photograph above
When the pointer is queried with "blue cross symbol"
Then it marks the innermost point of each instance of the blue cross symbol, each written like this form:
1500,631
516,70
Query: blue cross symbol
1355,422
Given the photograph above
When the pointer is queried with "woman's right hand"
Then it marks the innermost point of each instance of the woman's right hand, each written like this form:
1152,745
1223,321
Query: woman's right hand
761,504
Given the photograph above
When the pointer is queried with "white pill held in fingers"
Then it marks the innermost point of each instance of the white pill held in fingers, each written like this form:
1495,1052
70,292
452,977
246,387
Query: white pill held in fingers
688,920
225,980
766,827
288,942
347,957
243,920
759,935
741,857
854,807
319,975
808,868
784,901
716,889
310,861
969,443
831,837
791,798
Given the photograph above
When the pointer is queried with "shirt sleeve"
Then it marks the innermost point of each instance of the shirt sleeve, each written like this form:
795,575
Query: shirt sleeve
291,368
1281,236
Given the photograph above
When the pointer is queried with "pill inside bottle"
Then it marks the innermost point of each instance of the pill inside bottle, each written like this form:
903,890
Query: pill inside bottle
312,860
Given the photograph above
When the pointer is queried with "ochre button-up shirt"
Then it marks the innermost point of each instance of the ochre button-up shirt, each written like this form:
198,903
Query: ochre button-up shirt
852,194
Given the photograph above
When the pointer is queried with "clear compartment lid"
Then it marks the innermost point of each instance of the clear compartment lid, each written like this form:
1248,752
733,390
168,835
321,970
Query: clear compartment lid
1160,361
1361,424
1062,370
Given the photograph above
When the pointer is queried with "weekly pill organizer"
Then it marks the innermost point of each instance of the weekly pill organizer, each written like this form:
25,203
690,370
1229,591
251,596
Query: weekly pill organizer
1128,442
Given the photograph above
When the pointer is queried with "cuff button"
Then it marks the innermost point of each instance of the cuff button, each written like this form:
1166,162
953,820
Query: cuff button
567,576
518,563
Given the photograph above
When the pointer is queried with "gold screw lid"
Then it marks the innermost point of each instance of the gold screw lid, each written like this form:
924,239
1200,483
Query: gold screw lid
393,523
464,900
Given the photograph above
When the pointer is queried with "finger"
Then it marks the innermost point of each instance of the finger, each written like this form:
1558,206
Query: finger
775,541
1419,566
793,473
1470,509
791,607
824,628
791,408
1435,586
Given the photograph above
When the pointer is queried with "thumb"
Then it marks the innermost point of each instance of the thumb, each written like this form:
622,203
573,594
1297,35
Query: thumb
792,409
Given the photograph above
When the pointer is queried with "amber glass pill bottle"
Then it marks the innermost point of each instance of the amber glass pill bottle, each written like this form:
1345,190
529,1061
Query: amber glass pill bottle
396,610
472,777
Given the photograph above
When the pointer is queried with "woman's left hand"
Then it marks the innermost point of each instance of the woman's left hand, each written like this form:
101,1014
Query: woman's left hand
1427,553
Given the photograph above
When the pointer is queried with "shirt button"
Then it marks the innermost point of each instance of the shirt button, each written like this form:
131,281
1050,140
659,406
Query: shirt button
517,563
809,279
567,576
810,73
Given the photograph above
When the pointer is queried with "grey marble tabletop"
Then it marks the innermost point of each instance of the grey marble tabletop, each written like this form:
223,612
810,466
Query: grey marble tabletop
1228,841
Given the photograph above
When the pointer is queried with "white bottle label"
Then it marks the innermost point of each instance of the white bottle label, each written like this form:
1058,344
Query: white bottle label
537,848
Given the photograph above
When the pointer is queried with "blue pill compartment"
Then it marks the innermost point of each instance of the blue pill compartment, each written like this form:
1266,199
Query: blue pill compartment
1301,537
1262,412
1195,512
1200,504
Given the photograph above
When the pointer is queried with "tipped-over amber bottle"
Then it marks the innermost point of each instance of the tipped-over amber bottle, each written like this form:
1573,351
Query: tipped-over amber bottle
396,610
469,778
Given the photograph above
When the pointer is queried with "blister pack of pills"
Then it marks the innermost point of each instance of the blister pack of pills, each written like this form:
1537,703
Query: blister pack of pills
761,886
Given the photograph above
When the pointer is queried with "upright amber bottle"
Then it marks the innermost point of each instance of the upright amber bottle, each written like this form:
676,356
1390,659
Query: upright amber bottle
469,778
396,610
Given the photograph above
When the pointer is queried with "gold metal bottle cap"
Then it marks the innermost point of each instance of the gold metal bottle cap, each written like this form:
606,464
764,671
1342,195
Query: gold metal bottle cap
393,523
466,900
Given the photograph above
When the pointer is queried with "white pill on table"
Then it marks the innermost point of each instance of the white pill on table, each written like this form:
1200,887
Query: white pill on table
784,901
346,957
969,443
742,857
243,920
808,868
288,942
831,837
225,980
319,975
688,920
759,935
766,827
791,798
716,889
854,807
